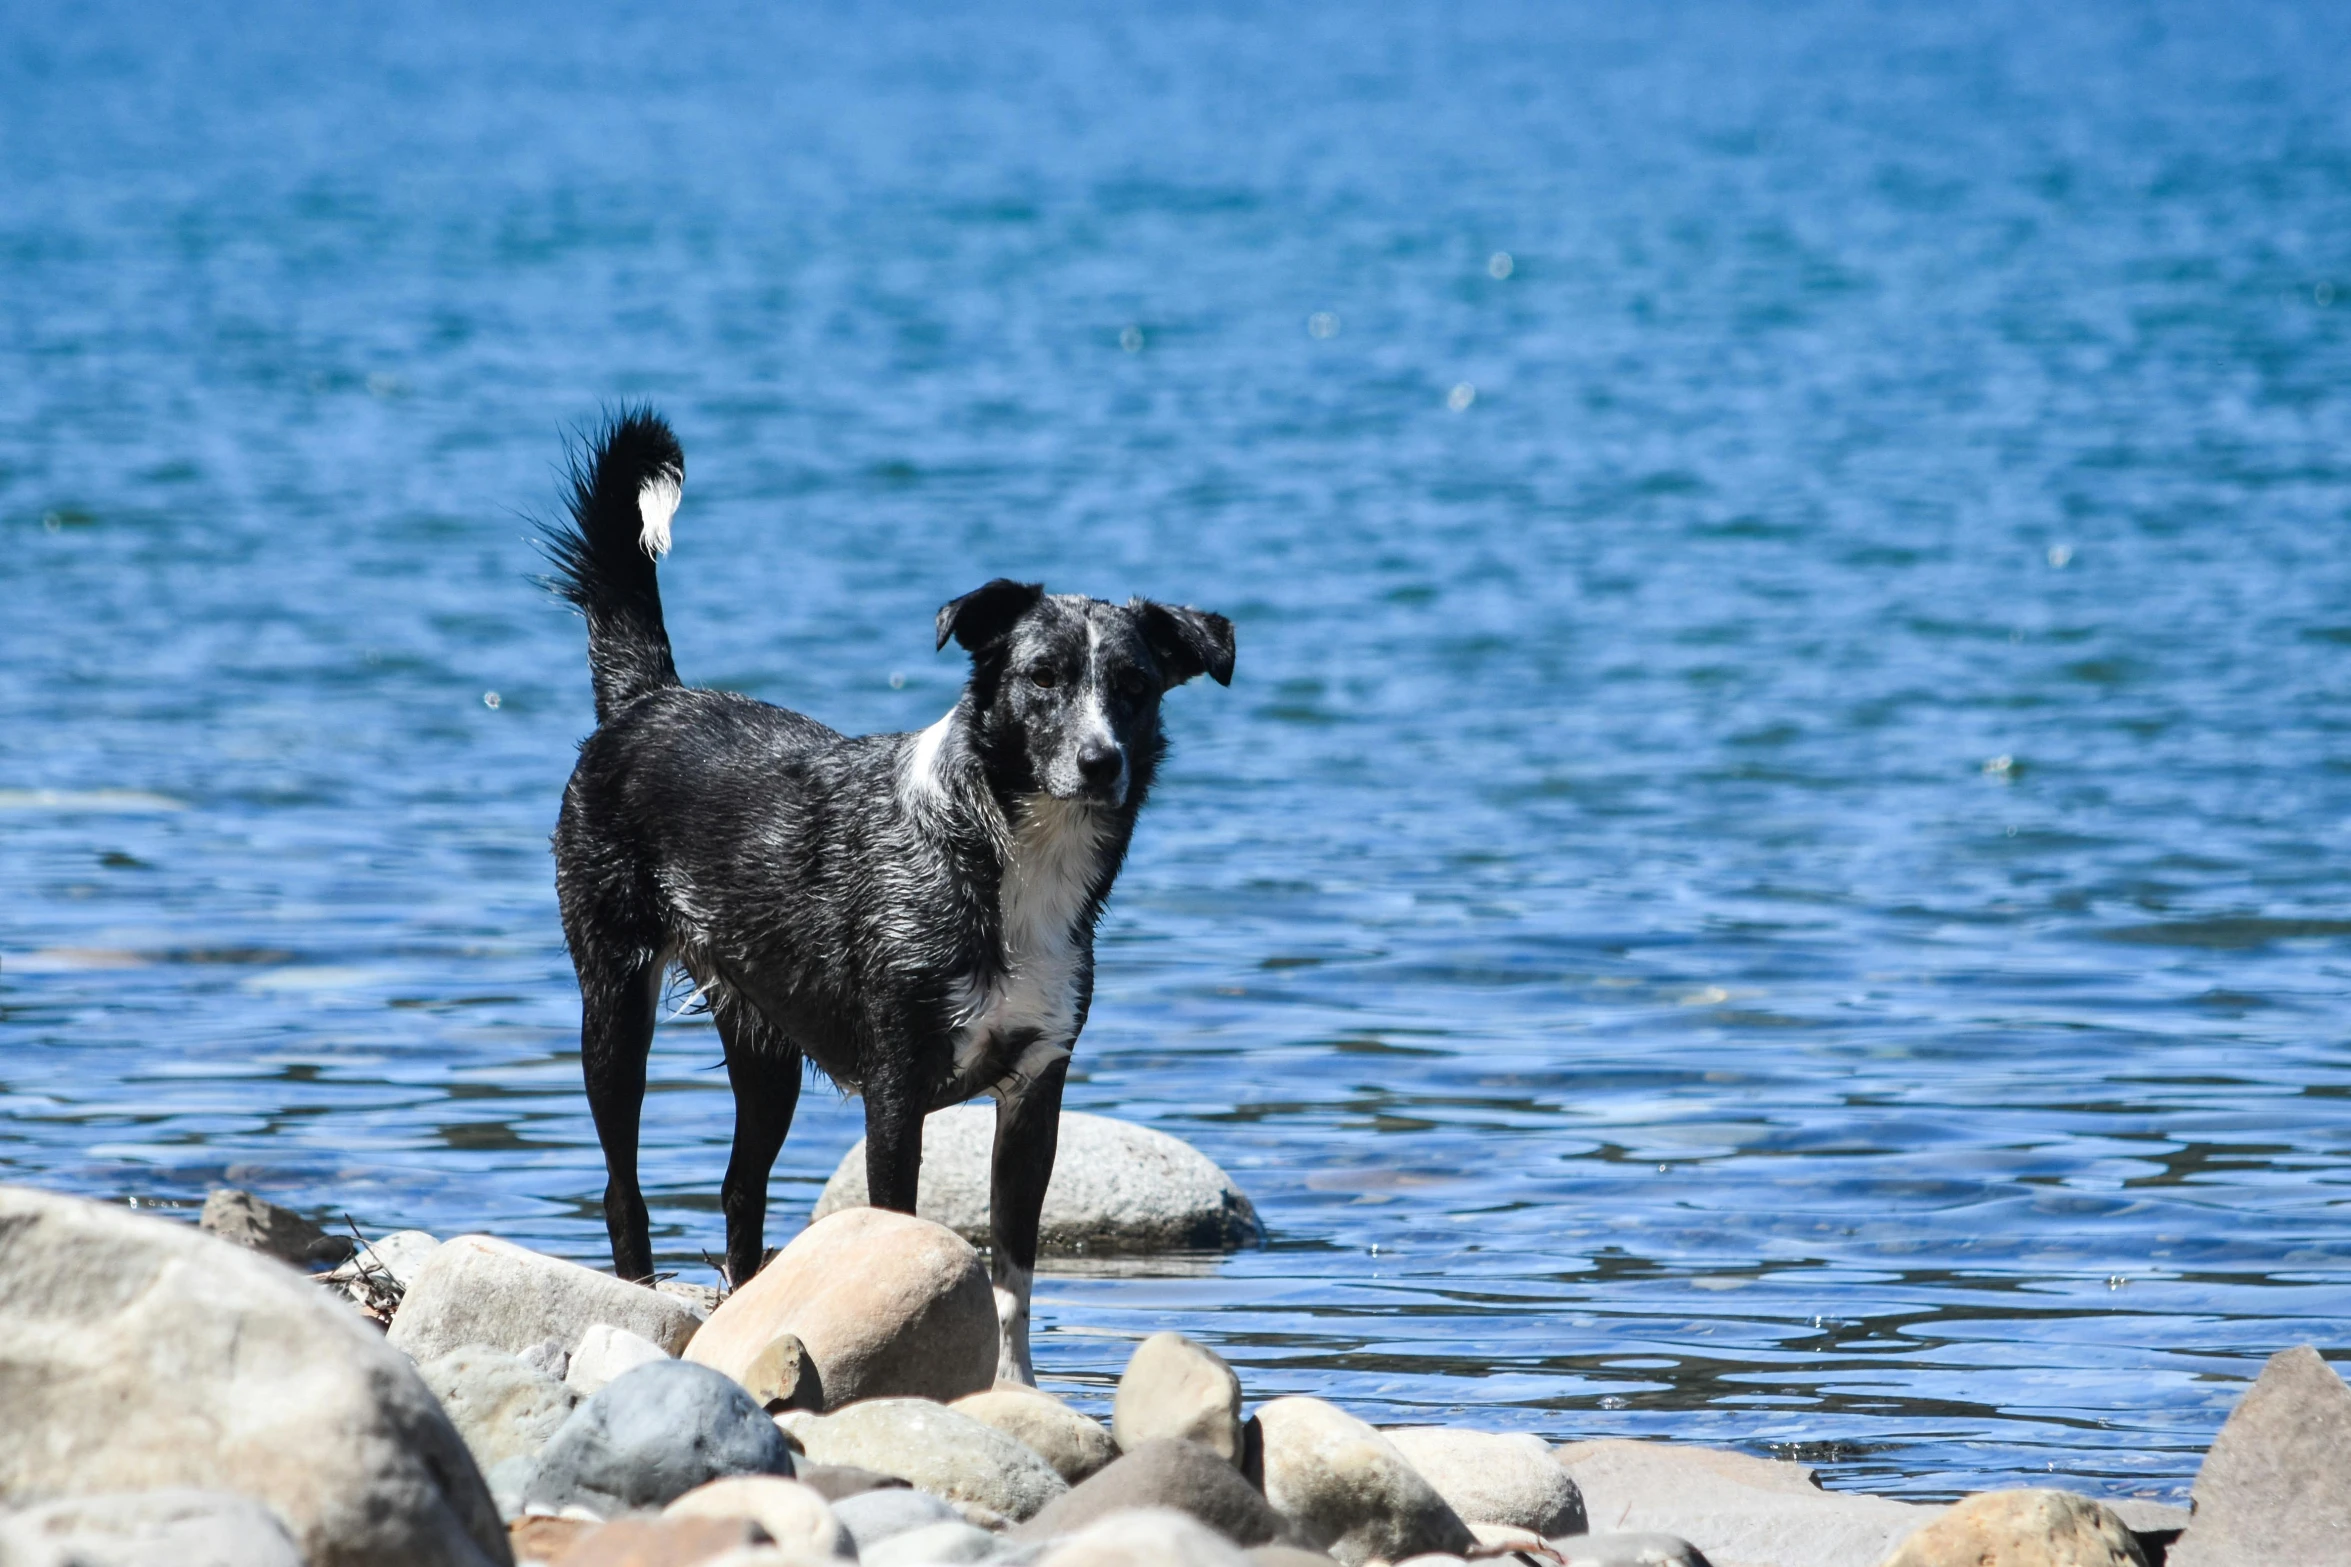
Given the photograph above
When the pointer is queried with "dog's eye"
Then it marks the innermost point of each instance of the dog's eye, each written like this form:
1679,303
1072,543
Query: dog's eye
1045,675
1133,686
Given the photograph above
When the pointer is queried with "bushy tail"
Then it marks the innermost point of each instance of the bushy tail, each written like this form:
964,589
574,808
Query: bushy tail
625,485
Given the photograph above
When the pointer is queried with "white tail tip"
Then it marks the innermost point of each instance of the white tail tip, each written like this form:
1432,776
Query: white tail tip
657,502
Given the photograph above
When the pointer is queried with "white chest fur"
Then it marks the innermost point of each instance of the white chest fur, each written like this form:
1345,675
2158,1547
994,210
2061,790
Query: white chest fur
1056,854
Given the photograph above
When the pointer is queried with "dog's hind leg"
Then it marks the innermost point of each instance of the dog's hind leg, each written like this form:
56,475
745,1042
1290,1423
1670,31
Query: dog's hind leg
764,1070
1028,1129
616,1032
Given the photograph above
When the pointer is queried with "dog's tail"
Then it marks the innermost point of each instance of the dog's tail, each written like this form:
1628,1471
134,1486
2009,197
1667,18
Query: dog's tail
625,485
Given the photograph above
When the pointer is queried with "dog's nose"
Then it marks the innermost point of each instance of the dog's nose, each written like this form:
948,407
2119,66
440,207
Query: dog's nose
1099,763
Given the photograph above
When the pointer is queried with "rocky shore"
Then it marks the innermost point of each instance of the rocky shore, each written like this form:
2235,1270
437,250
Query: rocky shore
207,1397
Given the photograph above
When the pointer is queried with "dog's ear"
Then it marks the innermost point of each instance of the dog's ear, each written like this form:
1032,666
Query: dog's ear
986,613
1187,641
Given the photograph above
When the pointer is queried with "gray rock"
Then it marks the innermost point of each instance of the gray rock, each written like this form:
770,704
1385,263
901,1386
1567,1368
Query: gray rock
885,1305
1494,1479
147,1529
838,1482
508,1479
1174,1474
2276,1486
1741,1511
650,1437
1628,1550
549,1356
937,1449
480,1290
795,1516
2029,1528
137,1354
398,1254
946,1542
604,1355
1174,1387
245,1220
1077,1447
874,1516
1348,1490
503,1408
1145,1537
700,1299
1116,1186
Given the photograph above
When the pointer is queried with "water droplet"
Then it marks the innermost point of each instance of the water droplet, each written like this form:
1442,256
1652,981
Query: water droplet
1499,265
1462,395
1322,323
1131,339
2060,555
489,699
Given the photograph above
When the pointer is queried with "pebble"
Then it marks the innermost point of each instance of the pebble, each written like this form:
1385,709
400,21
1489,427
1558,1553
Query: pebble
1173,1387
1168,1473
2276,1486
479,1290
1737,1509
1348,1490
2033,1528
1494,1479
950,1541
1116,1187
245,1220
605,1353
652,1435
885,1304
143,1354
795,1516
503,1408
874,1516
1145,1537
138,1528
935,1448
1075,1445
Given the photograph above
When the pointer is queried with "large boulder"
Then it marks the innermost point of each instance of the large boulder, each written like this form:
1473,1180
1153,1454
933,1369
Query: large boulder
1740,1511
652,1435
1116,1186
2032,1528
1174,1387
1348,1490
503,1408
1167,1473
137,1354
1074,1444
932,1446
2276,1486
883,1304
1145,1537
1494,1479
145,1529
477,1289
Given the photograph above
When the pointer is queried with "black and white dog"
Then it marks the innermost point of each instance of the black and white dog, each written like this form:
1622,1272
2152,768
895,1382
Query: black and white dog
913,913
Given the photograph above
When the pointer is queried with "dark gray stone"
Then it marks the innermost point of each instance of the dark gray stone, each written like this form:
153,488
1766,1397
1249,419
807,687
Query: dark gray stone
263,1226
2275,1491
651,1436
1168,1473
874,1516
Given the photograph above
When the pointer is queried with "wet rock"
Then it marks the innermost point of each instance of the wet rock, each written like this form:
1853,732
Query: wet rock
2033,1528
783,1376
1740,1511
501,1407
2276,1486
935,1448
885,1304
1494,1479
874,1516
145,1528
795,1516
1168,1473
1628,1550
1348,1490
480,1290
1076,1447
1145,1537
1173,1387
952,1541
663,1542
651,1436
137,1354
605,1353
245,1220
1116,1186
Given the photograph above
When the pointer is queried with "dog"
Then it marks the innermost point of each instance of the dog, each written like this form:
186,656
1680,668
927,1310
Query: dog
913,914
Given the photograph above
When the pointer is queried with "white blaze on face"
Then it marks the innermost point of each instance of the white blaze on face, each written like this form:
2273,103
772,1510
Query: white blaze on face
657,502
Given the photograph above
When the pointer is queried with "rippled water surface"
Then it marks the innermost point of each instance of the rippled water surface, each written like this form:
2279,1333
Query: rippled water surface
1774,870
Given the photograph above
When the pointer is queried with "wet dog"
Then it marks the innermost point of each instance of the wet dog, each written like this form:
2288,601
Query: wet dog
912,913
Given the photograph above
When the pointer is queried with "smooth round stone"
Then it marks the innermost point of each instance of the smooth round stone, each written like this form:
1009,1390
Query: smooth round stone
1145,1537
1074,1444
503,1408
930,1445
1493,1479
794,1515
1346,1487
652,1435
1167,1473
1116,1187
1173,1387
2028,1528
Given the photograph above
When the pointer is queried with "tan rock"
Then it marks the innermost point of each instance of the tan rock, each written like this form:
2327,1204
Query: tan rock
887,1305
795,1516
540,1538
1494,1479
477,1289
1174,1387
1739,1511
2022,1529
1074,1445
2276,1487
661,1542
933,1447
782,1376
1346,1488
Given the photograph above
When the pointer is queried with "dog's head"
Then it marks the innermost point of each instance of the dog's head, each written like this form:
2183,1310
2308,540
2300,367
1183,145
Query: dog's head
1065,690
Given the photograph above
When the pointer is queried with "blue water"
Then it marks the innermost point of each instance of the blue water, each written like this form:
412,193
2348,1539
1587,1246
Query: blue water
1661,461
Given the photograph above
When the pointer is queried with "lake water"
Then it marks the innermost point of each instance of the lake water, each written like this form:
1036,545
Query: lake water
1777,870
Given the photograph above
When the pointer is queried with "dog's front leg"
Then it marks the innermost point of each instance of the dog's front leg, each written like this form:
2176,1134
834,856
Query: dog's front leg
894,1106
1028,1127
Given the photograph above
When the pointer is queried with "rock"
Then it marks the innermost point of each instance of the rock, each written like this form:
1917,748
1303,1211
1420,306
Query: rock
245,1220
543,1538
700,1299
651,1436
952,1541
795,1516
1174,1387
932,1446
146,1528
605,1353
501,1407
1628,1550
1494,1479
397,1256
548,1356
1116,1187
2021,1529
886,1305
1167,1473
138,1354
874,1516
1434,1559
1074,1445
1287,1556
782,1376
479,1290
1740,1511
839,1482
2276,1486
1348,1490
1145,1537
662,1542
507,1478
